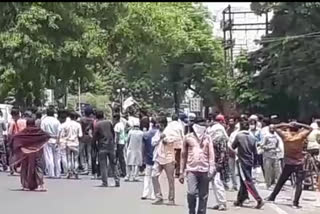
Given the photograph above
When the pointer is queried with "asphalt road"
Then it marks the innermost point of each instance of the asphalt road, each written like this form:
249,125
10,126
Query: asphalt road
84,197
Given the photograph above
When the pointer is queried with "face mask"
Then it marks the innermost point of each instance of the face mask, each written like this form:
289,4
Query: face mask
252,127
199,130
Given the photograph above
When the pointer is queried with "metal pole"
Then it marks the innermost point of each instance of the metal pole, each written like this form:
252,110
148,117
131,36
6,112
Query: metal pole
79,94
267,23
66,97
231,49
121,102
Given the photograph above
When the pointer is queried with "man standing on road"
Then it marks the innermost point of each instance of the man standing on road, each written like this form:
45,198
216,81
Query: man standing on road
271,164
197,159
3,153
163,160
103,135
70,134
120,138
219,139
174,134
232,131
51,125
246,145
148,191
85,142
293,138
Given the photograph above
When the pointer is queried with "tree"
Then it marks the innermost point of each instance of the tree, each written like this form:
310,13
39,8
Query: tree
155,50
288,59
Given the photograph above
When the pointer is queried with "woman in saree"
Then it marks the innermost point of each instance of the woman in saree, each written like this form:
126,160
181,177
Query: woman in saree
28,150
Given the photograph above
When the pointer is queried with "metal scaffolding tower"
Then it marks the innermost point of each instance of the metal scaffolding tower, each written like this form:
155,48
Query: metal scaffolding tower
229,26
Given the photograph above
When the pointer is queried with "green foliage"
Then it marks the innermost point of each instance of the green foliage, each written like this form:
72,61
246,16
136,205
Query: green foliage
288,62
155,50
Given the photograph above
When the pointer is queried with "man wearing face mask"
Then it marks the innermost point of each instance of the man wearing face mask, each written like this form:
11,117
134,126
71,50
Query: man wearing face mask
197,159
256,133
270,147
293,136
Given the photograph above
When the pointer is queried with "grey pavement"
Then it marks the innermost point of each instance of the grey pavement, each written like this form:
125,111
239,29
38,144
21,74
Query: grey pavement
84,197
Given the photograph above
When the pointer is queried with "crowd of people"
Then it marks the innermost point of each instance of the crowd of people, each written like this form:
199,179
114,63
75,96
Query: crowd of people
214,150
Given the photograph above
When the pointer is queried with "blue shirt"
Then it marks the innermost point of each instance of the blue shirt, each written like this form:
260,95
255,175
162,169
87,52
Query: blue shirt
148,148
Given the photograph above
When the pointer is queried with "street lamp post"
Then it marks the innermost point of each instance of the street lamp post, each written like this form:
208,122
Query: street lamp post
121,91
79,94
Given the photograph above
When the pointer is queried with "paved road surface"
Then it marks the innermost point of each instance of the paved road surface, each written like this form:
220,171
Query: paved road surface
84,197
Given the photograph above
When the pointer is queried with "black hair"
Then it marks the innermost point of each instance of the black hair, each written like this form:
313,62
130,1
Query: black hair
153,122
15,112
50,112
31,122
73,115
266,121
244,125
1,114
116,117
38,114
260,117
163,121
88,111
99,114
174,117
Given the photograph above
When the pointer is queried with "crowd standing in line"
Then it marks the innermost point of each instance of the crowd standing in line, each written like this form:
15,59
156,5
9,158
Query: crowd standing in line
213,151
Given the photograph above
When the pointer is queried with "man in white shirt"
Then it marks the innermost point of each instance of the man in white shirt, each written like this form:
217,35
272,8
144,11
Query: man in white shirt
70,133
174,134
163,158
219,139
51,125
120,139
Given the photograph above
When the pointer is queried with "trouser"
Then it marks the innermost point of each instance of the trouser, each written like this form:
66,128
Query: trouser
258,159
120,159
72,158
219,193
52,159
156,172
272,170
288,170
198,186
246,184
3,155
233,168
85,153
63,159
148,191
132,172
104,156
94,160
177,163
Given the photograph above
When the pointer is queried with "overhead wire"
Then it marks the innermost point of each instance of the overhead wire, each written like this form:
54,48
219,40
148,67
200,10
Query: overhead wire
279,39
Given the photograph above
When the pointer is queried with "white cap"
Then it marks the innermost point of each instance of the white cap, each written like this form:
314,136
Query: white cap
192,116
254,117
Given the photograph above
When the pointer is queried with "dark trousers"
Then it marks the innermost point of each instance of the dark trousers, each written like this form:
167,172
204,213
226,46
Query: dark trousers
95,164
246,184
120,159
177,163
198,186
106,156
85,148
288,171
